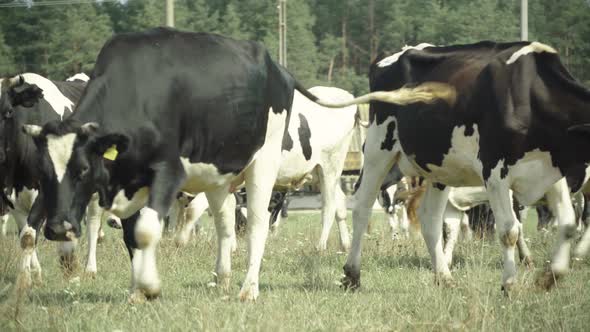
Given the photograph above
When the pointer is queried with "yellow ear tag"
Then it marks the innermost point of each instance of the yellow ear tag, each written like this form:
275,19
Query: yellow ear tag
111,153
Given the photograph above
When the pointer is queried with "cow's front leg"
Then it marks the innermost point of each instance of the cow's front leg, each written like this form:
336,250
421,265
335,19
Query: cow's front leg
167,179
28,238
560,204
328,183
374,171
93,220
223,205
430,214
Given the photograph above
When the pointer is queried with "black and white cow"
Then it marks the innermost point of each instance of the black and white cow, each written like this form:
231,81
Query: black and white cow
31,98
168,111
504,115
314,150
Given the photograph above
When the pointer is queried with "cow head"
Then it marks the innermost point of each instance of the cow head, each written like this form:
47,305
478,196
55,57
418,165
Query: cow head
15,93
74,162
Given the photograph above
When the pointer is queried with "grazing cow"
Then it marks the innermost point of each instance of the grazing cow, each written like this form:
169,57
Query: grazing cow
18,153
505,115
315,149
154,121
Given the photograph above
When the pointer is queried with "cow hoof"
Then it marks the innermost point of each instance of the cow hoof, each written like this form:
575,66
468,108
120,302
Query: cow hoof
444,280
321,247
223,282
114,224
507,291
351,280
136,297
528,262
90,274
37,279
249,293
68,264
27,238
548,279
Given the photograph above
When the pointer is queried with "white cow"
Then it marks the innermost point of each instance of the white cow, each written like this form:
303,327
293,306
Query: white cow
315,150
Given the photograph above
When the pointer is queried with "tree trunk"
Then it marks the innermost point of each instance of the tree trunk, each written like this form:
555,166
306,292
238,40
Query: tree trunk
330,69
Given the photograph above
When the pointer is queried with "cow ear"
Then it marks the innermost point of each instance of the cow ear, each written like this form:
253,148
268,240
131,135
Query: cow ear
27,96
110,145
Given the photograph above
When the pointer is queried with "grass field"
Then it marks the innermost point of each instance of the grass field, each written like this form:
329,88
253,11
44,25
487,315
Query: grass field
299,290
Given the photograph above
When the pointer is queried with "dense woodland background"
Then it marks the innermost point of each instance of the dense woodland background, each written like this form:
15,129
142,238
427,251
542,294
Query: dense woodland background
329,41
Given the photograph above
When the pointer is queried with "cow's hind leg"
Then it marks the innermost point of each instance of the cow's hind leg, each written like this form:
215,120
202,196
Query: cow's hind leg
376,166
508,229
328,182
560,204
341,214
260,178
452,227
223,205
188,218
430,214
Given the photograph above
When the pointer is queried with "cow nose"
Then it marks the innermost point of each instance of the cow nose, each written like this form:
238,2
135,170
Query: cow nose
61,231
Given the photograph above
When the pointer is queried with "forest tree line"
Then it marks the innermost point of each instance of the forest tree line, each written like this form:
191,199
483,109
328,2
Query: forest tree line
329,42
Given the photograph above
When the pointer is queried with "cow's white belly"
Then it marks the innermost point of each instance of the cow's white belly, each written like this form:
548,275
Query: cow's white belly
202,177
531,176
460,166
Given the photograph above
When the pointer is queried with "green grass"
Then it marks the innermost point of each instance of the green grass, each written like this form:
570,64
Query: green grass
299,288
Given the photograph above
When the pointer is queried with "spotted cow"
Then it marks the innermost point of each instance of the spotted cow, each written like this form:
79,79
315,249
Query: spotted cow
154,121
507,116
32,98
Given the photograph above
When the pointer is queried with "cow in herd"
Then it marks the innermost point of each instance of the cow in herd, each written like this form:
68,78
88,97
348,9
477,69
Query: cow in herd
153,122
314,150
508,116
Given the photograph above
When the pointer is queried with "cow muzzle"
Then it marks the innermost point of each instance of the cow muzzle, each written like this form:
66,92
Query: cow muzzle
61,231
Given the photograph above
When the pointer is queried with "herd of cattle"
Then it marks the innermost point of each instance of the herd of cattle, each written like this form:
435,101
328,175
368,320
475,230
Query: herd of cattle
180,120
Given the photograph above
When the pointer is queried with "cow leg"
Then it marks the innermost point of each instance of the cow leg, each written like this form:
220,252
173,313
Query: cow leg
452,226
430,214
4,223
466,232
260,178
93,217
507,227
328,183
341,214
374,170
223,205
166,183
523,249
67,258
560,204
128,226
188,218
28,239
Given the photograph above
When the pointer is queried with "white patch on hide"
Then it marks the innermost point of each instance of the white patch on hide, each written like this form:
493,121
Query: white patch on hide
60,151
535,47
393,58
51,93
461,165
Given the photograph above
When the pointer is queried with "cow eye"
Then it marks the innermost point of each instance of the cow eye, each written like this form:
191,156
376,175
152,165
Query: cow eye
83,172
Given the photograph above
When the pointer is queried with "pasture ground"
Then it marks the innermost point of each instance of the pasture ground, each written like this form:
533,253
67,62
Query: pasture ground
299,290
